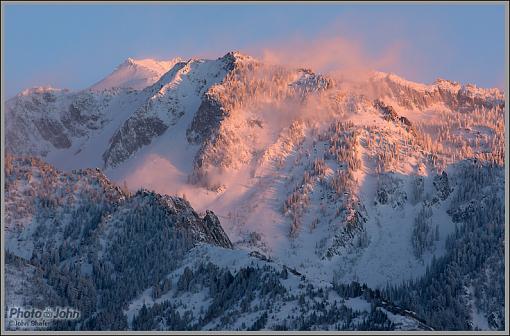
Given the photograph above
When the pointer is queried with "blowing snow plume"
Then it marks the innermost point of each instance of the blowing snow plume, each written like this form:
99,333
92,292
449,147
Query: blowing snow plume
339,57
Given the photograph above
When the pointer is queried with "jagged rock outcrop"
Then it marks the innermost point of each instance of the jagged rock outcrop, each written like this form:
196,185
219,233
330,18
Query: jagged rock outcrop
310,82
352,233
213,229
389,114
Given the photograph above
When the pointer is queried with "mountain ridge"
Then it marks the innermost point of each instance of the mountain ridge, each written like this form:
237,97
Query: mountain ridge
356,182
135,73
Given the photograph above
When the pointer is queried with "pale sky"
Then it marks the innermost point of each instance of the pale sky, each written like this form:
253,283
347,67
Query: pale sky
74,46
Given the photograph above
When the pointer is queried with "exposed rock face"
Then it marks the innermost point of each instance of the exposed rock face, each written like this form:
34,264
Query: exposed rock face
405,121
205,230
228,120
216,101
86,109
133,135
224,150
213,126
389,114
388,111
84,113
230,59
206,120
309,82
158,111
212,228
32,126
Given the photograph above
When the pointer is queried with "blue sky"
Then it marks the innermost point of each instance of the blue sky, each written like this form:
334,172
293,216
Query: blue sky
74,46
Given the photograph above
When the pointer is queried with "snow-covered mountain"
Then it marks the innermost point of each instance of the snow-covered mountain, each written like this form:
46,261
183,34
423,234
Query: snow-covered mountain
128,260
371,182
135,74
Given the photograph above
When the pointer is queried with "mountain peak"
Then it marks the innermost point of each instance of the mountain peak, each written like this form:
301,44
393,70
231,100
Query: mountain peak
447,84
237,55
129,60
151,63
136,73
440,80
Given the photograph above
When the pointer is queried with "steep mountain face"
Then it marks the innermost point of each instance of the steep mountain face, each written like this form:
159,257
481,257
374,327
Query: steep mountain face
342,182
178,92
232,125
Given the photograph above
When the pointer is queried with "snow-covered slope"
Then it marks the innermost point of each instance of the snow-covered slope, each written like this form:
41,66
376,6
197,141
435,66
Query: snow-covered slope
51,122
135,74
35,189
78,240
234,290
57,122
345,181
